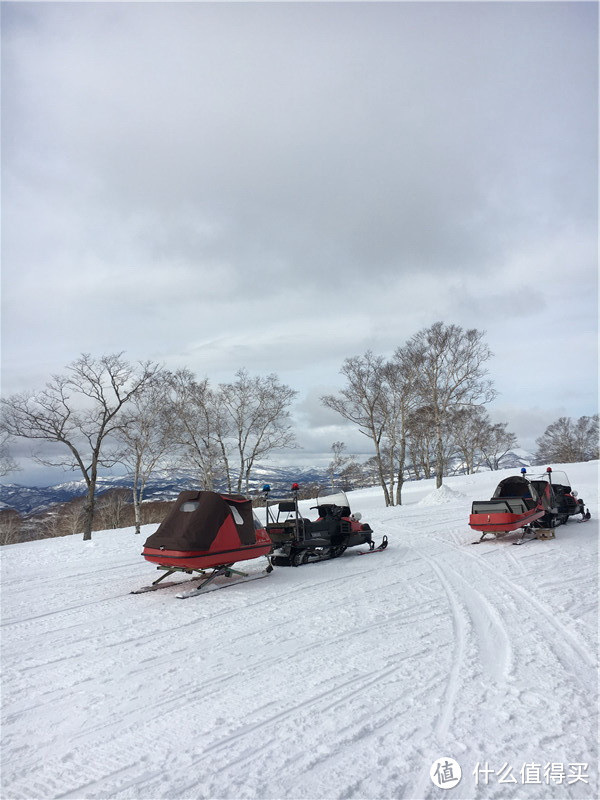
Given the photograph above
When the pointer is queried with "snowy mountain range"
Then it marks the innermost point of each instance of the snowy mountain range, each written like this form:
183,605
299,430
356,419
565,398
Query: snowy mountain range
166,484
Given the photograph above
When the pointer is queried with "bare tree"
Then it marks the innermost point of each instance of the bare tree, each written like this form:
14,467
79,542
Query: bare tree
586,437
496,442
337,463
256,421
7,462
199,426
112,506
370,471
401,400
79,411
421,445
362,401
352,475
70,519
449,374
52,523
343,468
146,436
11,525
469,427
566,442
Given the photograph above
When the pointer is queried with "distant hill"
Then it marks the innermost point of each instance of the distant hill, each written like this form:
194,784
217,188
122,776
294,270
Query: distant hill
162,486
166,485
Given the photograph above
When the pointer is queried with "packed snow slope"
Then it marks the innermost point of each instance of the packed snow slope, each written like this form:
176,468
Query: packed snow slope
342,679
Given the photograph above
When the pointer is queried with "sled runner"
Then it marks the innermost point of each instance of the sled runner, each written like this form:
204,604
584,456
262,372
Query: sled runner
536,505
206,579
207,531
297,540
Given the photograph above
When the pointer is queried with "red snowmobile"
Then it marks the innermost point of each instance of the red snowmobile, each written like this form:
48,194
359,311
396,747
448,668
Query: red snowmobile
207,531
297,540
537,505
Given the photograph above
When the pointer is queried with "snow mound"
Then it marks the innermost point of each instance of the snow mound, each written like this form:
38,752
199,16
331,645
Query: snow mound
440,496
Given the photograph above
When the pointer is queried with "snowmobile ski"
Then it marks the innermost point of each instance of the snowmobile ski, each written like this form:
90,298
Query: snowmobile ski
382,546
525,539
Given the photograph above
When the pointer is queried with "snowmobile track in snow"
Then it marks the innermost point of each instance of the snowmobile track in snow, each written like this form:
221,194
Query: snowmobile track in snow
575,648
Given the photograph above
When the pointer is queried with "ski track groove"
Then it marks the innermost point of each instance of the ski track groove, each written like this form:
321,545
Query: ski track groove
353,735
155,635
569,651
555,625
250,730
168,702
171,591
189,691
290,711
460,639
58,611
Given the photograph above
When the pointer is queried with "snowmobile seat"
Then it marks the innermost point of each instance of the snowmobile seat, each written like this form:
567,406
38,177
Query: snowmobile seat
503,505
287,506
318,528
520,503
517,504
333,511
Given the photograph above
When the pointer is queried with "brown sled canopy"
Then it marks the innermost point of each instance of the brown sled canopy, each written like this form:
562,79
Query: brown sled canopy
197,517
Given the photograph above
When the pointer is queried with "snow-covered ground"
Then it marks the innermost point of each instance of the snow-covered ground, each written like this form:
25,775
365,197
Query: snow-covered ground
343,679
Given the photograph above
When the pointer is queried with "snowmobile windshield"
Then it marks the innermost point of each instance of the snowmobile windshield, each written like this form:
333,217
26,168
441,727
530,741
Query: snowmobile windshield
557,478
334,499
329,502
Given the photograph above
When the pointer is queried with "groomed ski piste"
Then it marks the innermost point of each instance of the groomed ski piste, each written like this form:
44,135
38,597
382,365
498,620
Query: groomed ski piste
348,678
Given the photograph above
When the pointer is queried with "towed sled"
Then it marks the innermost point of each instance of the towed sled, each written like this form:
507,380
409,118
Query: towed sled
537,505
297,540
206,533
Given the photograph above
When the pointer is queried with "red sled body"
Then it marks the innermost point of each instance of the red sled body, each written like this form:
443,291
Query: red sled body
515,504
542,502
207,530
502,517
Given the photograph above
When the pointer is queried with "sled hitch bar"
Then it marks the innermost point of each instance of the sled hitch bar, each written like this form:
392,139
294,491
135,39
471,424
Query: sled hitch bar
224,571
171,570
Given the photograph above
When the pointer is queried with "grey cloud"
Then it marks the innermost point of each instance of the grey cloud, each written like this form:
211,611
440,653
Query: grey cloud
282,185
333,142
527,423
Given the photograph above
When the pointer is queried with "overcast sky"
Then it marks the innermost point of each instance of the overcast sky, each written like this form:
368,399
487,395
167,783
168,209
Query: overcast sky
279,186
